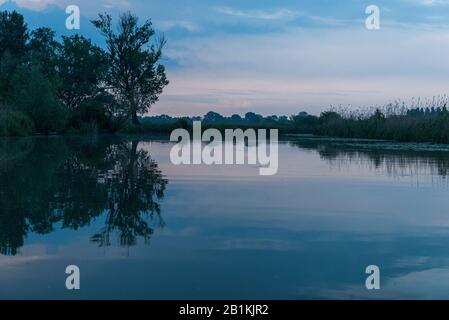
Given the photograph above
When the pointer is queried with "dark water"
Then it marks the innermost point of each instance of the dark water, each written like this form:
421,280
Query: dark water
139,227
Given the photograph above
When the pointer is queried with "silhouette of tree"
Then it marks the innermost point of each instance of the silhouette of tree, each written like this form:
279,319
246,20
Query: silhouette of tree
135,75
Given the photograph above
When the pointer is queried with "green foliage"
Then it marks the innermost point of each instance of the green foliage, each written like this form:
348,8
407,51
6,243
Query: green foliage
304,123
42,50
8,65
13,49
89,116
73,84
15,123
36,96
13,34
81,67
406,127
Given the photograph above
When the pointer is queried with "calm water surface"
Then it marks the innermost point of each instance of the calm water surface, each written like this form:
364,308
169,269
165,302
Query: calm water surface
141,228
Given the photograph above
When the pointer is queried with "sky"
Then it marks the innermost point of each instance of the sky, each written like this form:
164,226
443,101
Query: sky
280,57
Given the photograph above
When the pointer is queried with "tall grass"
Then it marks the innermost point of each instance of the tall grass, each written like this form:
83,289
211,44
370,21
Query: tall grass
419,121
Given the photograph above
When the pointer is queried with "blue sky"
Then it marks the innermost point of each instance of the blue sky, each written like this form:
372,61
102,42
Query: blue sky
281,57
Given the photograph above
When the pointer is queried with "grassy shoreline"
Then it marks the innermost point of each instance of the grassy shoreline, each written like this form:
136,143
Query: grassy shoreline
353,143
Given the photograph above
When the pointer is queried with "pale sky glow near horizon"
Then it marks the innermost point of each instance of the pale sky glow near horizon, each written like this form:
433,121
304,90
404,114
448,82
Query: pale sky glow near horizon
280,57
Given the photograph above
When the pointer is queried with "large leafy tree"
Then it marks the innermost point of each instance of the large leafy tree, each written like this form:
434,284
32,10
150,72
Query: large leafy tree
13,34
43,49
81,69
13,48
135,75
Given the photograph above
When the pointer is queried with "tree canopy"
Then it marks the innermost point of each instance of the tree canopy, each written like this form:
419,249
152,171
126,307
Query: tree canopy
63,84
135,75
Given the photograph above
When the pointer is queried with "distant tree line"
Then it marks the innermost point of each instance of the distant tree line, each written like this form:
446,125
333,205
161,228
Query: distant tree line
391,122
164,123
70,84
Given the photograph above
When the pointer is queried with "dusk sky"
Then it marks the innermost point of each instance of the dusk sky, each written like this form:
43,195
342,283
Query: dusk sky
280,57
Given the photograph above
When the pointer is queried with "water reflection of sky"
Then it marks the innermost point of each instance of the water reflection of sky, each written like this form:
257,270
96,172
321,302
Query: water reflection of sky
308,232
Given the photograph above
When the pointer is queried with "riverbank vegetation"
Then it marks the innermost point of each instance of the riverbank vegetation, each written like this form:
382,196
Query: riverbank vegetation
420,121
69,84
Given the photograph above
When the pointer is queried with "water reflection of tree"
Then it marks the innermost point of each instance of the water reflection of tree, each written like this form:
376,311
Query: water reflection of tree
69,182
392,162
133,186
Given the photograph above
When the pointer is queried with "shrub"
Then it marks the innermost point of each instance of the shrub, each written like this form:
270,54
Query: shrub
88,113
15,123
35,95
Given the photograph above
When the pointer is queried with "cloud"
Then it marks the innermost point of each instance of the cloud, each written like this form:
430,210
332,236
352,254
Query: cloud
330,21
170,24
303,70
85,5
423,284
37,5
431,2
277,14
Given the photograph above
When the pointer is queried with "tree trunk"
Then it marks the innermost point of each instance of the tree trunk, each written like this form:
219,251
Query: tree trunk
135,120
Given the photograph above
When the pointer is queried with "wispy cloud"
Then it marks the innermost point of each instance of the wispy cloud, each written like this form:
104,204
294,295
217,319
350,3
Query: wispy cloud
330,21
36,5
183,24
431,2
40,5
276,14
